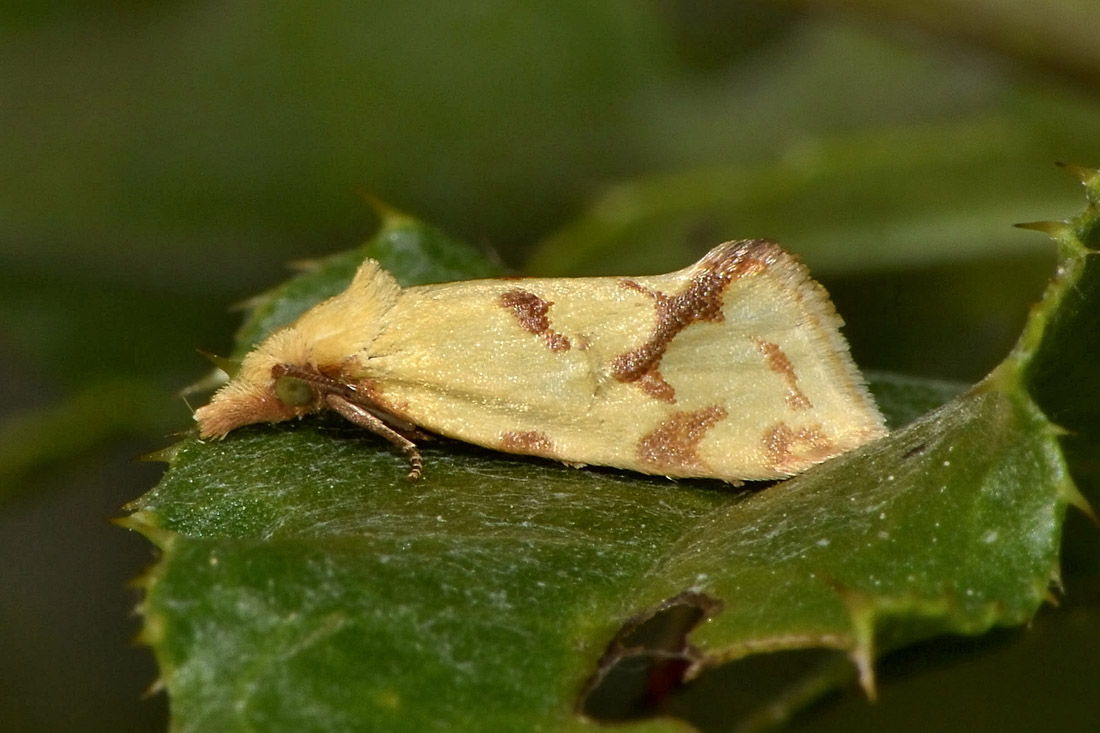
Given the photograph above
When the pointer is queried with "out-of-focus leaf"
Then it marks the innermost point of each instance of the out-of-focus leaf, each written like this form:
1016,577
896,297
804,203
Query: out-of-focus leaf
47,436
870,200
1059,36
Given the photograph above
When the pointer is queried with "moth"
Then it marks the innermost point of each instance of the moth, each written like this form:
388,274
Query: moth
733,368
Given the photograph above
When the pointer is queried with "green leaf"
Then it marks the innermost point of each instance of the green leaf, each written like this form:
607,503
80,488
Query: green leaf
305,585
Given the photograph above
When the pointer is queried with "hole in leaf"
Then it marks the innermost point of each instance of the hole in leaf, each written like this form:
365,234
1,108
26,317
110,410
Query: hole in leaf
761,690
646,661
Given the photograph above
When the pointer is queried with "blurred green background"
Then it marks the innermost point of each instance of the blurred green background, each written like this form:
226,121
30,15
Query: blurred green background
160,161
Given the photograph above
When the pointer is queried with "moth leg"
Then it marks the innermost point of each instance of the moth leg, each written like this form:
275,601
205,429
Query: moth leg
355,414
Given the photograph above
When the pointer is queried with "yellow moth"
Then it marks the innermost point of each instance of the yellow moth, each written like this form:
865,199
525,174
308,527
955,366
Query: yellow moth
733,368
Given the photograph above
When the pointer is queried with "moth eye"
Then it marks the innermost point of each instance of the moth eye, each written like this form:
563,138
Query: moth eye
293,392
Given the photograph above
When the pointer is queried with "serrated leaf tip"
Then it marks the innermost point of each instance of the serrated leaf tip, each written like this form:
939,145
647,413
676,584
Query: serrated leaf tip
1081,173
229,366
1053,228
390,215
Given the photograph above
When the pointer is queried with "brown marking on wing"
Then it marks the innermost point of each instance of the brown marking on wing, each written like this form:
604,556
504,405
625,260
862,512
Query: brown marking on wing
782,440
527,441
781,365
701,300
654,385
531,312
673,443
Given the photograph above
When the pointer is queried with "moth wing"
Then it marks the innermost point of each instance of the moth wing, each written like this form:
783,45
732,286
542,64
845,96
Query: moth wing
733,368
792,394
487,371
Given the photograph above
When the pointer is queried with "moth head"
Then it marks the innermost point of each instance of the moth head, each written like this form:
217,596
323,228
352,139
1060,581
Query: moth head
242,403
285,376
267,388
